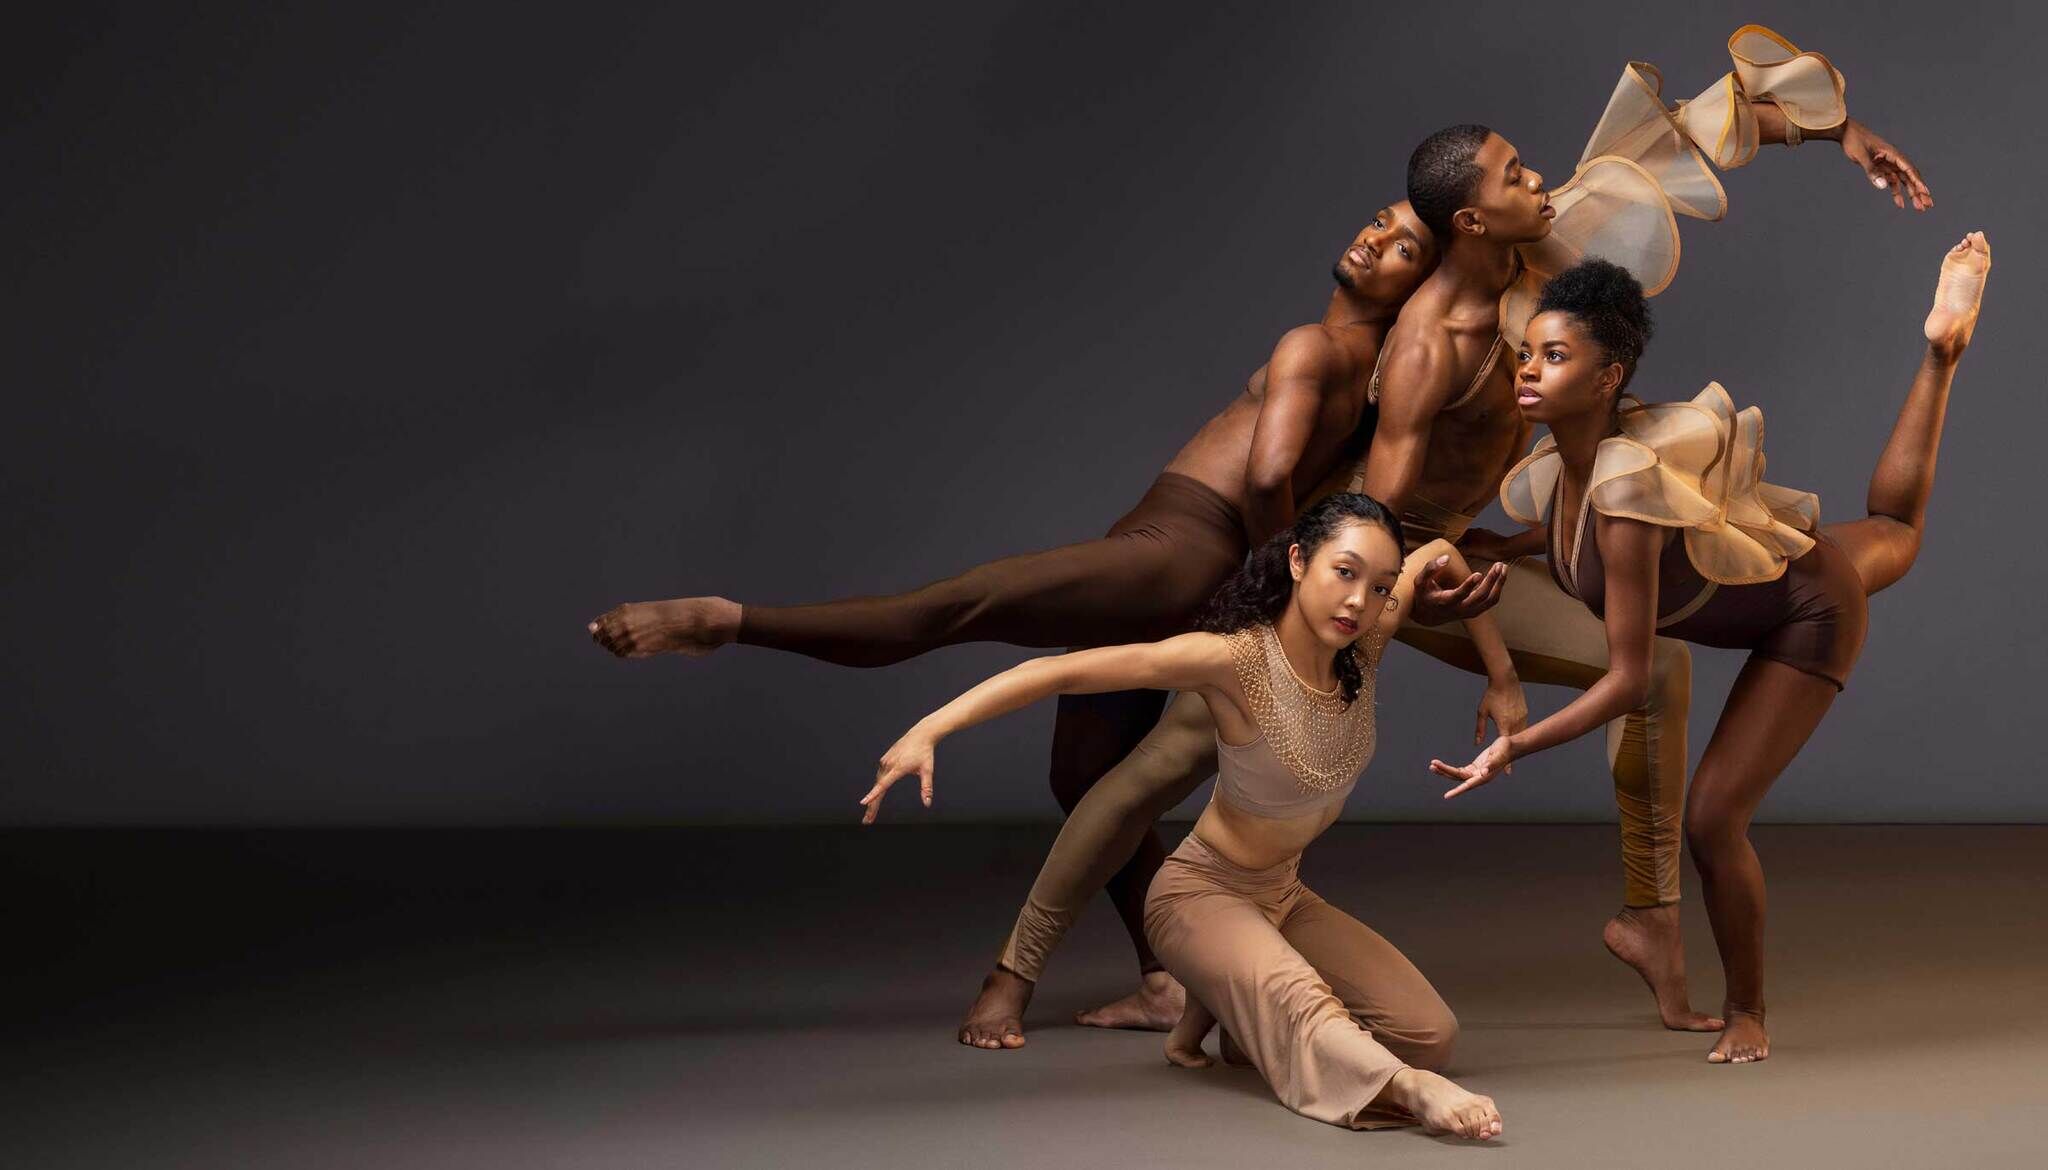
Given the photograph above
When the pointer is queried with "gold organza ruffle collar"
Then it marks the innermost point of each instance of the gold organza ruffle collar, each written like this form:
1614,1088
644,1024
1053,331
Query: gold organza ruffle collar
1695,465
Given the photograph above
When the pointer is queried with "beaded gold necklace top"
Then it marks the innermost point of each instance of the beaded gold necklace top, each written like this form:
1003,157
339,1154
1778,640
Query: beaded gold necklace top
1322,739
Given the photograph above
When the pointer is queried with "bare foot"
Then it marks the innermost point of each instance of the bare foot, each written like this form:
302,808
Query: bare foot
1441,1106
997,1018
1184,1043
1647,939
1744,1041
1957,296
1155,1007
690,626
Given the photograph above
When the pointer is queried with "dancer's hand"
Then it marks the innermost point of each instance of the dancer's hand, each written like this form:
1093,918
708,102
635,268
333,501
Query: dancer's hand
1507,706
1489,764
1441,597
911,756
1887,169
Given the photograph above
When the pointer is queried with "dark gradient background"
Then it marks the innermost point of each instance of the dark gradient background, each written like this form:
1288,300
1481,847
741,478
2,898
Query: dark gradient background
359,354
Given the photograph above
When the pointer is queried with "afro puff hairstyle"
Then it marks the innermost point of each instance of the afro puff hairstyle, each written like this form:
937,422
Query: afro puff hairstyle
1607,302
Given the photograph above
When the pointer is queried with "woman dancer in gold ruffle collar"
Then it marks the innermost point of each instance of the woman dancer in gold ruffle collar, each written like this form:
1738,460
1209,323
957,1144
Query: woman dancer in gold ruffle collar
1340,1024
1660,522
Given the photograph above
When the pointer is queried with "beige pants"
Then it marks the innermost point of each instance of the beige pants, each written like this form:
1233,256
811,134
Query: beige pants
1553,639
1327,1009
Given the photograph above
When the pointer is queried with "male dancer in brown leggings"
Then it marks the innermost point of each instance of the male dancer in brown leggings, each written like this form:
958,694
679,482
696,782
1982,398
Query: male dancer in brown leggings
1240,479
1447,431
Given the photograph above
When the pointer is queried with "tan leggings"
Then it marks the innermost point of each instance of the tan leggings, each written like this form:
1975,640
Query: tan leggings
1327,1009
1553,639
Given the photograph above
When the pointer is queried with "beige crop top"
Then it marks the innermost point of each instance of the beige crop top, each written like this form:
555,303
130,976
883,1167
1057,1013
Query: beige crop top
1312,745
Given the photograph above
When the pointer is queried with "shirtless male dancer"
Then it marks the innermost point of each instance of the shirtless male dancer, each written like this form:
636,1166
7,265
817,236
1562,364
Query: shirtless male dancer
1238,481
1448,429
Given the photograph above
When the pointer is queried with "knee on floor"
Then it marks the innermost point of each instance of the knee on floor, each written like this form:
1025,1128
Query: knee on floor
1426,1041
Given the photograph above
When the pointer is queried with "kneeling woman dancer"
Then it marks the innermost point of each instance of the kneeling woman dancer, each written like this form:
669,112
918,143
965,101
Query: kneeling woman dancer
1685,540
1341,1024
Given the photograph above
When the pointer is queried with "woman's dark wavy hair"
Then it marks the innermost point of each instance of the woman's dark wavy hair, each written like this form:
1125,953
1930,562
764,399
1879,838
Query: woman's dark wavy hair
1262,588
1607,302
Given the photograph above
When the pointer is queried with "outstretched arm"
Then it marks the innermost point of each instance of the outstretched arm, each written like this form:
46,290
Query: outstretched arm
1630,549
1189,662
1297,378
1887,169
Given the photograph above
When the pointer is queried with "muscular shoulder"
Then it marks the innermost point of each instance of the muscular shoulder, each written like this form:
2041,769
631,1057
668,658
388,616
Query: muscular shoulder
1419,372
1306,352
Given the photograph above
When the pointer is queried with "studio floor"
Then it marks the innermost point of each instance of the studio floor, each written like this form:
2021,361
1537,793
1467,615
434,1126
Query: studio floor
732,998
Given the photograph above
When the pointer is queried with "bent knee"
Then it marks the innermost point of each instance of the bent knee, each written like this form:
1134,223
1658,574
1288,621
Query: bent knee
1425,1041
1708,833
1670,678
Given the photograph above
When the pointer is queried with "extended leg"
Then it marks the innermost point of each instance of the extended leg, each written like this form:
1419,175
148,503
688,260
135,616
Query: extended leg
1098,592
1141,582
1098,838
1885,544
1091,735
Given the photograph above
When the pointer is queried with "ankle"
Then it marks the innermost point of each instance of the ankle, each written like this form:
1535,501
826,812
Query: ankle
1663,916
1408,1088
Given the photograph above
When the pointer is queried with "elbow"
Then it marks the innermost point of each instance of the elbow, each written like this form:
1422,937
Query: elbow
1634,688
1267,482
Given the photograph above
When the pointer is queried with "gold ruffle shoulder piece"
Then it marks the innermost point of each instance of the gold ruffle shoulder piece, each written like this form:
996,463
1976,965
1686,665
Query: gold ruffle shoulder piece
1806,87
1647,163
1531,485
1696,466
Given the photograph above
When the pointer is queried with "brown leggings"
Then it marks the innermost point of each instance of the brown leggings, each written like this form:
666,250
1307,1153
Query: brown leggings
1145,580
1552,638
1327,1009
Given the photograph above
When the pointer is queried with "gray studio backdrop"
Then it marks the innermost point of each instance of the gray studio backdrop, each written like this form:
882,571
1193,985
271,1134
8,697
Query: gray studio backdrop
359,354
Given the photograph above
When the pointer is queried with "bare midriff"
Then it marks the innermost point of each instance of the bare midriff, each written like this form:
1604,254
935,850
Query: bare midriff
1257,842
